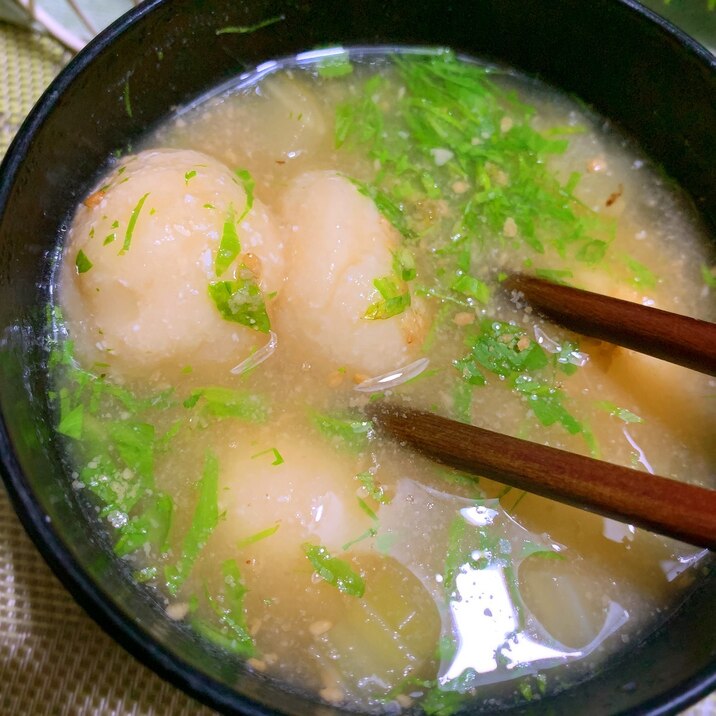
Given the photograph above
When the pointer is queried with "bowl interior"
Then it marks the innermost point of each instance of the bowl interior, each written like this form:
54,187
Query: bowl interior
606,52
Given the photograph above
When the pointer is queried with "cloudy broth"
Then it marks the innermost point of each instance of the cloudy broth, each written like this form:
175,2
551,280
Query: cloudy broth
350,222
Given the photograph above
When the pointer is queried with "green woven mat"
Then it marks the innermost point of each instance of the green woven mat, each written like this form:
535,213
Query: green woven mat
53,658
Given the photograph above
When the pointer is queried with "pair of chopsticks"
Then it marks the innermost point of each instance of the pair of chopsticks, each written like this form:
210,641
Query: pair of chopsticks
669,507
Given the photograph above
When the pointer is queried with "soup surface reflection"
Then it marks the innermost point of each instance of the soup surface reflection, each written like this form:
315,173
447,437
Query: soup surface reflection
332,231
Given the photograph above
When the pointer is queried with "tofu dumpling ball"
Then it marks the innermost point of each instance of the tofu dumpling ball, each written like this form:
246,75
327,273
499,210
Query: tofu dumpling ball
310,493
338,244
141,256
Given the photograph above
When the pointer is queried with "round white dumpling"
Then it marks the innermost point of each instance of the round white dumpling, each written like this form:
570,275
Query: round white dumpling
299,489
337,245
141,255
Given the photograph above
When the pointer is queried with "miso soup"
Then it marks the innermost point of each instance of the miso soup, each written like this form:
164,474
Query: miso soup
330,231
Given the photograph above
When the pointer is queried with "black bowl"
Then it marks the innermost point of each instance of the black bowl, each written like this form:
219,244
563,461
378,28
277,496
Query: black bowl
631,66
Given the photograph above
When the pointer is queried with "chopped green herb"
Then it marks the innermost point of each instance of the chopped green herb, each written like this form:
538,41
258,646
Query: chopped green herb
622,413
241,301
592,252
71,422
229,608
338,65
257,537
375,491
335,571
82,263
469,482
353,434
391,210
151,527
472,288
555,275
370,532
229,246
147,574
206,517
505,350
709,274
456,129
396,299
568,358
642,277
462,401
134,442
246,29
220,402
404,264
367,509
547,403
188,176
247,181
132,223
277,457
438,702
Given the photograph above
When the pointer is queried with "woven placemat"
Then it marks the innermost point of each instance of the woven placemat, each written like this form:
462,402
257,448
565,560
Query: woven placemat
53,658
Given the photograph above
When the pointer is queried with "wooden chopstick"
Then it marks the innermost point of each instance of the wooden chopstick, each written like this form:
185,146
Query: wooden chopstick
680,510
669,336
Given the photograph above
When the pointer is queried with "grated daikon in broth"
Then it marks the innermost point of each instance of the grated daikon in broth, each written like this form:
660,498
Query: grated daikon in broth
327,232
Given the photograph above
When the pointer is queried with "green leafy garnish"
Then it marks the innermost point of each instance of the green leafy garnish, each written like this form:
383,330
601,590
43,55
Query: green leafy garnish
134,441
352,434
374,490
404,264
547,403
335,571
708,274
393,211
592,252
370,532
472,288
277,457
559,276
132,223
150,527
396,299
367,509
438,702
229,246
71,418
220,402
258,536
338,65
462,401
229,608
82,263
450,126
206,517
622,413
241,301
188,176
641,276
506,351
247,181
